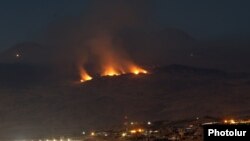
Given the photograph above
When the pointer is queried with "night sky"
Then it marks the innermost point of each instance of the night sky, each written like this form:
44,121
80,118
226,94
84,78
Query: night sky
26,20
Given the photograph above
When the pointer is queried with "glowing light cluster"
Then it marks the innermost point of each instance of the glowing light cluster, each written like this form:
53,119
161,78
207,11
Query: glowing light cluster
134,131
231,121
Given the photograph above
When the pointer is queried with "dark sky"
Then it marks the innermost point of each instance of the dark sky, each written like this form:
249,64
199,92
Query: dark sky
26,20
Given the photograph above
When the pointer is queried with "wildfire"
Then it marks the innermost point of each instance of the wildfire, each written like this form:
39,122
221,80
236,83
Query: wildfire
110,71
116,71
84,76
111,59
137,70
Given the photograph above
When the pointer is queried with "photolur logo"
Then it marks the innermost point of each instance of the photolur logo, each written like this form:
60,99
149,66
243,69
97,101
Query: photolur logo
215,132
237,132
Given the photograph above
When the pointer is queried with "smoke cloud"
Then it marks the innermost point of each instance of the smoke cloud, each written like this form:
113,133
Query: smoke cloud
92,40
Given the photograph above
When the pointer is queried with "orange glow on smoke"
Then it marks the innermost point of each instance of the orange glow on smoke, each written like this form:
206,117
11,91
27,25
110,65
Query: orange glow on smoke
114,70
137,70
84,76
113,60
111,71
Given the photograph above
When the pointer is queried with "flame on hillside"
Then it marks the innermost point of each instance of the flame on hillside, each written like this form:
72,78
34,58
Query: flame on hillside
110,59
137,70
113,70
113,60
84,75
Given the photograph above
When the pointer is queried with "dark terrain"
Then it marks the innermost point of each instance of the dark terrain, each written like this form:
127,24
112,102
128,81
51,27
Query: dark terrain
42,106
41,95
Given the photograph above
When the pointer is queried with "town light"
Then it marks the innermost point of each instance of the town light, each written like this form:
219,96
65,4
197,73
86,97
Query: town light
124,134
92,133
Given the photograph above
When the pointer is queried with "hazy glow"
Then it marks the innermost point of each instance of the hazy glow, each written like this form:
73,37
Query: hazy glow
137,70
112,58
124,134
17,55
110,71
134,131
149,123
92,133
113,70
84,76
232,121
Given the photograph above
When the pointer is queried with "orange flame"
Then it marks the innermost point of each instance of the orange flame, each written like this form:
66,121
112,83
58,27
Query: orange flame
137,70
84,76
113,59
114,70
110,71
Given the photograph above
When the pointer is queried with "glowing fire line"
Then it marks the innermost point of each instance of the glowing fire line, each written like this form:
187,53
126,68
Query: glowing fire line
116,71
112,71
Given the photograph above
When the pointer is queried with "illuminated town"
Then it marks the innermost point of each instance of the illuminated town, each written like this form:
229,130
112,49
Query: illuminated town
182,130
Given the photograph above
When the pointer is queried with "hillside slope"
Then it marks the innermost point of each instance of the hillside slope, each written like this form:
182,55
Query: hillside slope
58,106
